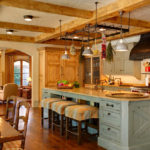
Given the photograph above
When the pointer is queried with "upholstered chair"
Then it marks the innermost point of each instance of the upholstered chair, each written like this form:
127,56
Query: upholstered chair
10,89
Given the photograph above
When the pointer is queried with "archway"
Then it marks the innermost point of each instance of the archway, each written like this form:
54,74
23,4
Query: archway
32,50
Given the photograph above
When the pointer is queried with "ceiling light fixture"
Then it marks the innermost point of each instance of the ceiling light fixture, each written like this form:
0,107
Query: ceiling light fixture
65,56
121,45
76,37
28,18
9,31
102,29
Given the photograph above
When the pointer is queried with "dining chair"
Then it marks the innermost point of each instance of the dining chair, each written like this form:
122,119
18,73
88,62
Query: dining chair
21,121
10,109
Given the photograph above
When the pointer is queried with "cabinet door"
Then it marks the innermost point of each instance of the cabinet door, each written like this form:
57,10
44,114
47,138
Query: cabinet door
53,71
70,69
96,69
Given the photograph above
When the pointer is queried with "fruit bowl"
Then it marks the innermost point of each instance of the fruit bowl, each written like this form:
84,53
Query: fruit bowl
63,84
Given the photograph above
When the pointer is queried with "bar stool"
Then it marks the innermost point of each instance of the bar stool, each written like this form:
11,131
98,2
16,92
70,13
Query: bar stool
79,113
59,109
46,103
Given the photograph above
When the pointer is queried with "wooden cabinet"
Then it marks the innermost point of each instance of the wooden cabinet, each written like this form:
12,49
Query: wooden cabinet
52,68
91,69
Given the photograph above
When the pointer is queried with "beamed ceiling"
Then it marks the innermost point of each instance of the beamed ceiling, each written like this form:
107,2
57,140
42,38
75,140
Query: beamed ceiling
74,15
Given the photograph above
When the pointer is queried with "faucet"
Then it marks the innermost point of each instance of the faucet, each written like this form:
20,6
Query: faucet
102,83
119,79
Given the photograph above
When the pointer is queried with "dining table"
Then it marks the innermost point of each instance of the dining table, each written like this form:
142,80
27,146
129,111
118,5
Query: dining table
8,133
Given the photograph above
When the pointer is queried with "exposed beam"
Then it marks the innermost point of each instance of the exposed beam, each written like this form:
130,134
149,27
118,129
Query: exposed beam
48,8
133,22
15,38
104,13
9,25
55,48
62,42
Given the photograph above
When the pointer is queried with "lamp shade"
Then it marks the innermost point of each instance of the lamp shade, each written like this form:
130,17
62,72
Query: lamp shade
87,52
29,79
121,46
65,56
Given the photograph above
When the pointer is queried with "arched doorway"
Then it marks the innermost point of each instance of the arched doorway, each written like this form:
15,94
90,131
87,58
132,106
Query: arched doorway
30,49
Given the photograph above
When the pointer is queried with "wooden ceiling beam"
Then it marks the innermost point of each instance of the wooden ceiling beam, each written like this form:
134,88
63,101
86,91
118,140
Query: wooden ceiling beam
104,13
62,42
33,28
15,38
133,22
48,8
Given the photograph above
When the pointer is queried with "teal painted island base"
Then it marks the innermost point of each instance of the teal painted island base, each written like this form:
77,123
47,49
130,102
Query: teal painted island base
124,123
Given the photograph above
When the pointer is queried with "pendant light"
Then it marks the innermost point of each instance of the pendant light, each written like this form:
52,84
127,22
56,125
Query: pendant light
121,45
87,51
65,56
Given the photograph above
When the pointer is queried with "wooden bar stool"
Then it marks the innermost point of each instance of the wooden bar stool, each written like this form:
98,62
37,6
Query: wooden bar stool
79,113
59,109
46,103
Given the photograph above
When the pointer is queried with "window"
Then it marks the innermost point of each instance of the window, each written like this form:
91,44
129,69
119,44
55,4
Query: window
21,72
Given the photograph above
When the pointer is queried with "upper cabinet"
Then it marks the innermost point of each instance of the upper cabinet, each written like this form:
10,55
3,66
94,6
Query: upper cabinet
121,65
52,68
91,69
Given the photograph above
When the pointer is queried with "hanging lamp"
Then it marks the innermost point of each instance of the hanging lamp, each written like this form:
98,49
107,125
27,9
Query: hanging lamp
121,45
87,51
65,56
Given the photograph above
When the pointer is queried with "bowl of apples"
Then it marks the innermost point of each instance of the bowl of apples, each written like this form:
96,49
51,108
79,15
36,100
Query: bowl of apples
64,84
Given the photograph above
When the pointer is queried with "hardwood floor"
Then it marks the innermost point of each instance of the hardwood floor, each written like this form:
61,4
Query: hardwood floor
39,138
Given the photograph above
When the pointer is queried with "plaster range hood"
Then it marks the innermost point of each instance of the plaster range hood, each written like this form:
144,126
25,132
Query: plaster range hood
142,49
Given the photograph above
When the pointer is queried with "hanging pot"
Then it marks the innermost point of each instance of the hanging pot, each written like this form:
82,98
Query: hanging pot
72,50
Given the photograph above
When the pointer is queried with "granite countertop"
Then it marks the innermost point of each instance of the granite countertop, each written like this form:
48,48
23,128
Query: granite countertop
96,93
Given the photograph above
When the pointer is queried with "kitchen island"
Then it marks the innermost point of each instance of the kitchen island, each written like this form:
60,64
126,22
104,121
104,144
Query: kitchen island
124,123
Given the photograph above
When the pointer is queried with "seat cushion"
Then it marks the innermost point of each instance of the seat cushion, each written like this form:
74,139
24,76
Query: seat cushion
59,107
46,103
14,145
81,112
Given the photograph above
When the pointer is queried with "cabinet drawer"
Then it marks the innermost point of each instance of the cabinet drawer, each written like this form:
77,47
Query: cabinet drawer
111,105
110,133
45,94
110,117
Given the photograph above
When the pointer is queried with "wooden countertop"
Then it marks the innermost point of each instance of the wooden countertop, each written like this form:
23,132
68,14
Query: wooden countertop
94,93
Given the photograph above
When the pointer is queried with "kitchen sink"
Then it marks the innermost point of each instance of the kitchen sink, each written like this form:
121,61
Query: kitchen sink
127,95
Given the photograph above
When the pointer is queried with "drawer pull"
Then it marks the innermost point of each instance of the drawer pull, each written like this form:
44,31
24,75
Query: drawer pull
110,105
109,114
108,129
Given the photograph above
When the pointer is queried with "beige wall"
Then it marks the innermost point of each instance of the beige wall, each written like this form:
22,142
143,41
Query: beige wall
30,49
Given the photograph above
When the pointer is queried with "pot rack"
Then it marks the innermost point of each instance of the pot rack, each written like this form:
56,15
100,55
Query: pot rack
110,30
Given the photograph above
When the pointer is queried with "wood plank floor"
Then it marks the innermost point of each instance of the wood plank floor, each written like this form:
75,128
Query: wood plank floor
39,138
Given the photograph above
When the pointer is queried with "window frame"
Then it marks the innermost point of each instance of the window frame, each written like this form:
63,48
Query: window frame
21,71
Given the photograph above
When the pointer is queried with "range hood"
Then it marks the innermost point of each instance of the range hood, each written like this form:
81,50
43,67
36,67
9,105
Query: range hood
142,49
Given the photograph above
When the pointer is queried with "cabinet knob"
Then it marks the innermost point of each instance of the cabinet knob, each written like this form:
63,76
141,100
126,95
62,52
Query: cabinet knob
109,114
108,129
